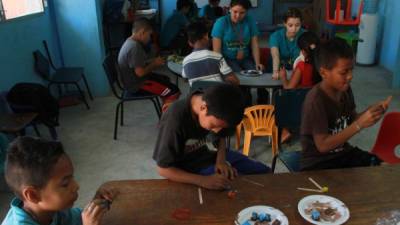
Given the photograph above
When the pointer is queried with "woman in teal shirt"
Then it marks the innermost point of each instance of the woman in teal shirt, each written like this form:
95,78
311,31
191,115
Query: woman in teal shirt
235,36
283,42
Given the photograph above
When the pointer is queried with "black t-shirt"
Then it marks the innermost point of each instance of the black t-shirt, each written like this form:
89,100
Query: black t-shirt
182,142
323,115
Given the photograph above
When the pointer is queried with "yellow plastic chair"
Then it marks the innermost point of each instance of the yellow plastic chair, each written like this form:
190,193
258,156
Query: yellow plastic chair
259,120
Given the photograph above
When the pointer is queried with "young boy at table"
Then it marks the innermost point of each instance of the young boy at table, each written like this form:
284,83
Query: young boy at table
137,68
203,64
173,31
329,117
41,176
190,146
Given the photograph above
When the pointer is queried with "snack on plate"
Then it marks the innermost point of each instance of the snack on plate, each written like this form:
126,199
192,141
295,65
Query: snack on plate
320,211
175,58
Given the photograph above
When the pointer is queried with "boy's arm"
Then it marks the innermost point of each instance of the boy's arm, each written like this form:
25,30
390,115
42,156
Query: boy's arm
327,142
142,71
221,166
232,79
216,181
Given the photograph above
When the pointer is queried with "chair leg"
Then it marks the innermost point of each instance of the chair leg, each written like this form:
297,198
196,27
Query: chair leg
156,106
82,95
273,165
122,114
36,129
238,135
53,133
87,87
116,121
246,145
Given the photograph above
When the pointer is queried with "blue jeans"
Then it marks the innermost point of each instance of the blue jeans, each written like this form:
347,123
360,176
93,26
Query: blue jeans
242,163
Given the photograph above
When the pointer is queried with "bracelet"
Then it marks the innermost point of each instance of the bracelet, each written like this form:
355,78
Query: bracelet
357,126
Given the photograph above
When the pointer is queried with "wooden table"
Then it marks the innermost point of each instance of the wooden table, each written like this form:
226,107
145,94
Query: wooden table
368,192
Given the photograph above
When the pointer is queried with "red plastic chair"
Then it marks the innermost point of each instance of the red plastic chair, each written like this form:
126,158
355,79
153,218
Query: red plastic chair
388,139
347,20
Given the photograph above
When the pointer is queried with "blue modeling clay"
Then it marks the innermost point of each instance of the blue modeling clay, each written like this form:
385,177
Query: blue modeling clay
246,223
254,216
315,214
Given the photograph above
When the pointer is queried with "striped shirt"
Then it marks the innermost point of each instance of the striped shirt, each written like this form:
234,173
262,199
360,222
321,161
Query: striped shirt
205,65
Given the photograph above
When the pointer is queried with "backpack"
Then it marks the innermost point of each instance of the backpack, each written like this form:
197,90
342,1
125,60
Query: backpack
33,97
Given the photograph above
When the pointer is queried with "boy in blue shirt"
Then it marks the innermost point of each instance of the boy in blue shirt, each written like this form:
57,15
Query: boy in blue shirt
41,175
212,10
172,33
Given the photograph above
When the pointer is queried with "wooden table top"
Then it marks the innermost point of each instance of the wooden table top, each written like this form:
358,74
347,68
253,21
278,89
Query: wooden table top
369,193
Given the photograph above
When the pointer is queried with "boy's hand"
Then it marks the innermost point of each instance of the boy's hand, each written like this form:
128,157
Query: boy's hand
214,182
93,213
385,103
159,61
371,115
226,170
108,194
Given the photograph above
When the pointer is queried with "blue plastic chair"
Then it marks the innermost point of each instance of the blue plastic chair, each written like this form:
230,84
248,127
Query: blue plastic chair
288,110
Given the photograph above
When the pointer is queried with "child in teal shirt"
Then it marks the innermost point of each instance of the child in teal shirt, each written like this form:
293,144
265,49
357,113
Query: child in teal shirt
40,174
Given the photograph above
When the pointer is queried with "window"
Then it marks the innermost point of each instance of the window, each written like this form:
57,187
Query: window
10,9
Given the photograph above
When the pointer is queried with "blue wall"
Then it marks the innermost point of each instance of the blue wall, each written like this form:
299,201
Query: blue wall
391,33
18,39
262,13
80,31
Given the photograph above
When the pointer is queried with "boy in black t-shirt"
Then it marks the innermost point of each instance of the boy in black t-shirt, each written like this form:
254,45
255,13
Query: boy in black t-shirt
329,118
191,127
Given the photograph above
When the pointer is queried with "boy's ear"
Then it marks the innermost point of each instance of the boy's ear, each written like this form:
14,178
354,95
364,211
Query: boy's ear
190,44
31,194
322,72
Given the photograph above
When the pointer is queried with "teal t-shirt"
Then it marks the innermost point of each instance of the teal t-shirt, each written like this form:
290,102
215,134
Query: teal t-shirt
235,37
288,50
17,216
175,23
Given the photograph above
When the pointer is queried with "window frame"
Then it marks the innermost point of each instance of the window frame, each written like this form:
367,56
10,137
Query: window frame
3,15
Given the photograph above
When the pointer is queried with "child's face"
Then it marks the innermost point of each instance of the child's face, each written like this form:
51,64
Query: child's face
210,122
339,77
61,190
146,36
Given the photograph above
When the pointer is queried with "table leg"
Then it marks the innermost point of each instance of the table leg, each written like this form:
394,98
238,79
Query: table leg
270,93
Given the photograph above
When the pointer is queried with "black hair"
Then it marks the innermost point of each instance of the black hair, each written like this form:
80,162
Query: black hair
212,1
196,31
308,42
292,13
244,3
225,102
29,162
329,52
180,4
142,23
